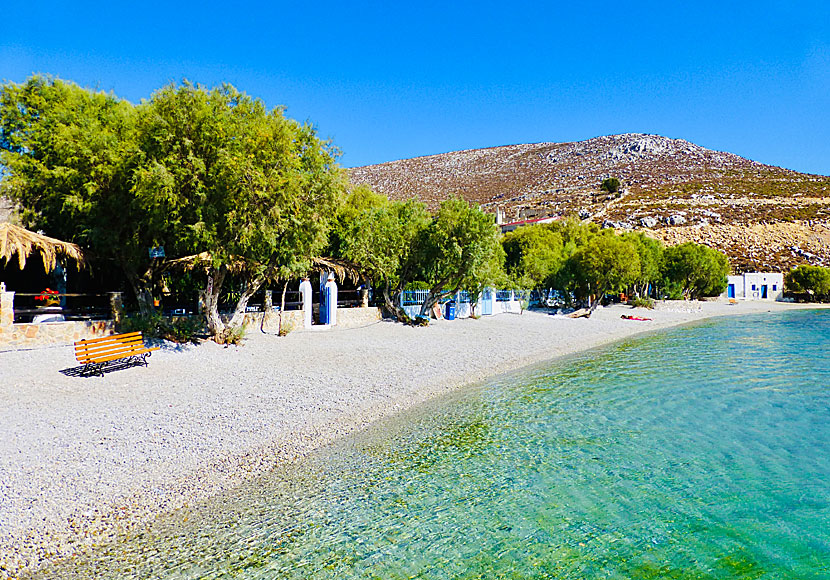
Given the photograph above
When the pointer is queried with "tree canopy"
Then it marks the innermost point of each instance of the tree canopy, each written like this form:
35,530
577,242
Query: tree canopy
226,176
697,269
207,172
231,188
810,279
606,263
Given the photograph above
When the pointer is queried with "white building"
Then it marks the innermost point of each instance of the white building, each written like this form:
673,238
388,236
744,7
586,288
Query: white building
755,286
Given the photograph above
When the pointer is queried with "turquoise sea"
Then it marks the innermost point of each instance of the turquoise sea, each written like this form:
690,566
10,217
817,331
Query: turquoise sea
700,452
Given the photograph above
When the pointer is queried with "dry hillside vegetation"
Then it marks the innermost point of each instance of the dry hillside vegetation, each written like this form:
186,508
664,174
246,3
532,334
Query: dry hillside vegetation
763,217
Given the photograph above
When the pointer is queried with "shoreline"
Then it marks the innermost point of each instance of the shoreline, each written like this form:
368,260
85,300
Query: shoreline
82,460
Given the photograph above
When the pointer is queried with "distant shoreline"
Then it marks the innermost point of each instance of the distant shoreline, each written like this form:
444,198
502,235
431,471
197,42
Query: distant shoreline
83,459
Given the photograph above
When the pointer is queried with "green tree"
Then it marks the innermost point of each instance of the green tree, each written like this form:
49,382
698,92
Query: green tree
69,155
490,274
359,200
575,235
456,249
650,252
606,263
384,242
814,280
698,270
534,255
611,185
247,189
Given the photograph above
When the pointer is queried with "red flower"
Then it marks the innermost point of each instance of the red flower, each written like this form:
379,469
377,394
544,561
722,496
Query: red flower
47,295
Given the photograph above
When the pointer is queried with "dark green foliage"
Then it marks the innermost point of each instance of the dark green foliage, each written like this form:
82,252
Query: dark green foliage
607,263
813,280
650,252
417,285
384,242
698,270
611,185
534,255
69,155
460,250
154,325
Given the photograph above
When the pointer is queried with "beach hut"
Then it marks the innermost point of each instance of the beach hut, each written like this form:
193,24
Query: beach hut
755,286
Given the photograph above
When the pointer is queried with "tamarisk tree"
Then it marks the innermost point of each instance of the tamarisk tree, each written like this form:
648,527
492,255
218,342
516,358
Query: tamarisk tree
69,154
385,242
245,187
460,247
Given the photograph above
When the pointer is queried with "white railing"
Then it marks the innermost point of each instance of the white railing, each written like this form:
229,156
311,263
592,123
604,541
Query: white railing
500,301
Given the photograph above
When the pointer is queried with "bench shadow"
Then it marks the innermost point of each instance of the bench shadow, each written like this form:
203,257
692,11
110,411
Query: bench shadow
116,365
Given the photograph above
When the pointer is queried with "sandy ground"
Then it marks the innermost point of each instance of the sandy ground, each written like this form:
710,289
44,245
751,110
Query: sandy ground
81,458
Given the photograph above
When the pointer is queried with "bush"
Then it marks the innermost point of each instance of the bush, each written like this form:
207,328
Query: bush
187,329
611,185
418,285
643,302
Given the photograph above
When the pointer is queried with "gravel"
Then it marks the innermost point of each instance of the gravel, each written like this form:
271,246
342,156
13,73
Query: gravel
83,458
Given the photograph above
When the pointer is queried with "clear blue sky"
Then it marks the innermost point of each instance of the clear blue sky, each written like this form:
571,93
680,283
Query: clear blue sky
387,80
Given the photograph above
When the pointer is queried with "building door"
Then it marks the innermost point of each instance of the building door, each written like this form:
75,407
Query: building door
487,302
763,291
730,291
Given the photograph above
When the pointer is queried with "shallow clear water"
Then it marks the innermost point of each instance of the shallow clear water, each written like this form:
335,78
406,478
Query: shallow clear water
701,452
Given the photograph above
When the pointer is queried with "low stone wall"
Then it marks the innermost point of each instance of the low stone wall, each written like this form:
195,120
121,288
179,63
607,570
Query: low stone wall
52,333
14,336
293,319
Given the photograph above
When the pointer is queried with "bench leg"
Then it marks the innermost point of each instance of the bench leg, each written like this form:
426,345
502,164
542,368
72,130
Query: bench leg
140,359
93,369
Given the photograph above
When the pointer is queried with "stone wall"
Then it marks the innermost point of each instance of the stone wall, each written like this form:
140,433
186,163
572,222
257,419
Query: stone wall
15,336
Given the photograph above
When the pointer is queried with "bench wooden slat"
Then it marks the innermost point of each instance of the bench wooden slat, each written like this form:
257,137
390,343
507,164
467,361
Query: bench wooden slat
117,356
109,348
119,352
109,338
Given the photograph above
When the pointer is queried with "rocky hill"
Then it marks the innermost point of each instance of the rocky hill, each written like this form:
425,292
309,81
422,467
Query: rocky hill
763,217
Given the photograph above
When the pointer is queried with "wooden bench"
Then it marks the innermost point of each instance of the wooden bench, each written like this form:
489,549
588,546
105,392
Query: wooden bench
96,353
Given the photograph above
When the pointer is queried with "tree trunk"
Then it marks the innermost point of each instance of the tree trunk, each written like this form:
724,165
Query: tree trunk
237,321
268,302
142,290
436,293
216,327
392,304
597,302
282,306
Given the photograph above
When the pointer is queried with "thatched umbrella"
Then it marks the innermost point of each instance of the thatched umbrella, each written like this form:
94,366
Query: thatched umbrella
204,261
15,240
343,269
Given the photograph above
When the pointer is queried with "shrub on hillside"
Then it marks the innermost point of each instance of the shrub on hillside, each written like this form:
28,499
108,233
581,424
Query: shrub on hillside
611,185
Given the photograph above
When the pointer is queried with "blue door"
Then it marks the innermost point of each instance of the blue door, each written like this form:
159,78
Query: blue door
763,290
730,291
487,303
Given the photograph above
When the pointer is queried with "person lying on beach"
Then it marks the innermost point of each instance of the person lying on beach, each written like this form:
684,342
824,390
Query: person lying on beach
627,317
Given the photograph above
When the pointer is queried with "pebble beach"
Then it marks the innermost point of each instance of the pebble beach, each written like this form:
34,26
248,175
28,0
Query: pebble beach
82,459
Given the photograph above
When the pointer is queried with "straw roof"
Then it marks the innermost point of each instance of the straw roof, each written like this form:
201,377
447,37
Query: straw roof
18,241
203,261
343,269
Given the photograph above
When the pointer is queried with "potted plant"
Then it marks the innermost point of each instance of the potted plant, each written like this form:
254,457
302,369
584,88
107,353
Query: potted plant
48,298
